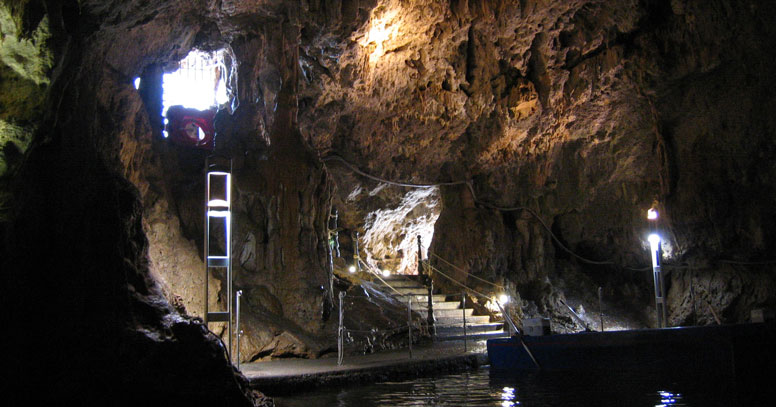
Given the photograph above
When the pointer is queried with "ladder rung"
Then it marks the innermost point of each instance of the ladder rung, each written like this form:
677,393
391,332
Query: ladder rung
218,316
217,261
218,203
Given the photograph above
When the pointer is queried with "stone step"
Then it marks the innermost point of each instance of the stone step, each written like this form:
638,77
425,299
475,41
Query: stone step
448,313
470,329
473,336
417,298
415,291
458,321
402,283
422,306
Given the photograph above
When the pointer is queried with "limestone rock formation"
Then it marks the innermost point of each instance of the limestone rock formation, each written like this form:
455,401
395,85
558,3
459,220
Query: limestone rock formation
585,113
540,132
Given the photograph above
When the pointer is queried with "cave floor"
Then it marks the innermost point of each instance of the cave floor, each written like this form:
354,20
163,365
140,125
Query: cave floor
279,377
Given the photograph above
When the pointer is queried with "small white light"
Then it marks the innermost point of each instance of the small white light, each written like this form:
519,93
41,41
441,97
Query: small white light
200,133
352,269
386,273
137,83
652,214
503,298
165,134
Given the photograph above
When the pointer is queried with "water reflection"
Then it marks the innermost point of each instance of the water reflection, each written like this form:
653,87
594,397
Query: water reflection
508,397
535,389
669,399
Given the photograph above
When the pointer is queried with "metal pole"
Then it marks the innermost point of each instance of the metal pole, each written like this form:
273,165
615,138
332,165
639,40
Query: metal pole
409,323
228,245
207,237
600,306
355,253
463,306
237,326
518,334
341,331
430,288
660,305
692,297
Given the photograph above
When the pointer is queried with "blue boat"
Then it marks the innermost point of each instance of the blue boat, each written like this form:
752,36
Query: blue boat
750,347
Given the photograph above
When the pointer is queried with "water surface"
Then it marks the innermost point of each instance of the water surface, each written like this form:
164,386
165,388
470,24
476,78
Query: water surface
485,388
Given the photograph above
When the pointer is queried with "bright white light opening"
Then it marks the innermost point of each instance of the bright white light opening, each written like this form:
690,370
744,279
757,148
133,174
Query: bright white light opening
352,269
137,83
652,214
386,273
503,299
198,83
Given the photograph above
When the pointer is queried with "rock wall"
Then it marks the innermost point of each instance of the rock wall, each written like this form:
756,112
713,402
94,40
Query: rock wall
76,274
575,115
584,112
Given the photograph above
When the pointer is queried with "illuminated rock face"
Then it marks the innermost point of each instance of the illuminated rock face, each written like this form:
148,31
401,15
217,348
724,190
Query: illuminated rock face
584,112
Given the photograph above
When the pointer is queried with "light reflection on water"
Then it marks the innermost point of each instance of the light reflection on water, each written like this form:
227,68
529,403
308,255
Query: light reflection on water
540,389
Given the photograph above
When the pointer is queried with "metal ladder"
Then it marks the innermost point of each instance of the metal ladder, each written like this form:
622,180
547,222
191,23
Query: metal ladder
218,237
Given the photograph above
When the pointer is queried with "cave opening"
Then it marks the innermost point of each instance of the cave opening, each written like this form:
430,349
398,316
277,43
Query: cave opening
195,85
199,82
387,221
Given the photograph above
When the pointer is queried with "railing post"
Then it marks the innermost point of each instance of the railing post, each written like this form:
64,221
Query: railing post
601,306
429,283
237,327
355,253
463,306
409,323
341,331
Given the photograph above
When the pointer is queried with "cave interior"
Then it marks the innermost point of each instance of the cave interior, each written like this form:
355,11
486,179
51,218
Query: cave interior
522,142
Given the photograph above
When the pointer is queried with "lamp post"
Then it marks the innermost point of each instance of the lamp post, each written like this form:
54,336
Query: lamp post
655,251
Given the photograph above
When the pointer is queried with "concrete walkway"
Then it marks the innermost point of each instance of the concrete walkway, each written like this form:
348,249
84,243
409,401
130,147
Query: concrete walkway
280,377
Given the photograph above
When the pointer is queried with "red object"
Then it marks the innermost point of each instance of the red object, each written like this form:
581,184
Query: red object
191,127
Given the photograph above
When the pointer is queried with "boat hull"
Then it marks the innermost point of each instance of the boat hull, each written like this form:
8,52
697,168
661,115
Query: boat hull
692,348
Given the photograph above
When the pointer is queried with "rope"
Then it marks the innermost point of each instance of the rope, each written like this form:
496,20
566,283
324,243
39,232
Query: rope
511,209
397,183
464,271
368,267
474,196
460,284
371,270
746,263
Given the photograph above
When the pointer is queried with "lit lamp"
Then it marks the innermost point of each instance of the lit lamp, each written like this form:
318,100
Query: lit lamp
386,273
352,269
654,245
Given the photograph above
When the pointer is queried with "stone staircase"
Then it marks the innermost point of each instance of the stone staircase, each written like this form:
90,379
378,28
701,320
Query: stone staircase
448,313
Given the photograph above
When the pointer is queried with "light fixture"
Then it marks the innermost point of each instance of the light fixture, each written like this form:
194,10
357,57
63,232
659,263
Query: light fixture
386,273
352,269
503,298
652,214
660,303
654,241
